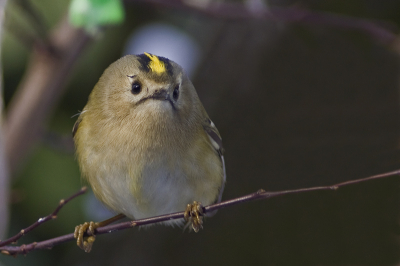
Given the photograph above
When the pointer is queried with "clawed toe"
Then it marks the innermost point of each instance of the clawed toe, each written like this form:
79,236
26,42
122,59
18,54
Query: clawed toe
194,215
90,227
80,230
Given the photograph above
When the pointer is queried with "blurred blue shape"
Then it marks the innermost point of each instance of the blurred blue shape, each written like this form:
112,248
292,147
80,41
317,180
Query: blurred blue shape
167,41
94,210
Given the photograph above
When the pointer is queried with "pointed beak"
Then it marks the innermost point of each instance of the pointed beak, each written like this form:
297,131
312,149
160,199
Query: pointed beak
162,95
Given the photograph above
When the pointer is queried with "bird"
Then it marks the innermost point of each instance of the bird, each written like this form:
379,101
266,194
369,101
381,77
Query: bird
146,146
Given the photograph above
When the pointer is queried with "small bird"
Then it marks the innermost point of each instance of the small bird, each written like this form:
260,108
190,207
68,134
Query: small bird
146,145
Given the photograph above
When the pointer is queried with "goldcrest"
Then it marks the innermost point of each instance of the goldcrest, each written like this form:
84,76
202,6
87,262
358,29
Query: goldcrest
145,143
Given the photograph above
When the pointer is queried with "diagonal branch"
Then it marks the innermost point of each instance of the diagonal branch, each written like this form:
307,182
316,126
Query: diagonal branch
261,194
40,221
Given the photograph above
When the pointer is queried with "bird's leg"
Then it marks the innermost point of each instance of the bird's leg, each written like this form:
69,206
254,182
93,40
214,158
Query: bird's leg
194,215
81,229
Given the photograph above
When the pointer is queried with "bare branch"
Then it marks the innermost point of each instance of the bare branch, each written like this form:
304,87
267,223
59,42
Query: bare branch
237,11
40,221
261,194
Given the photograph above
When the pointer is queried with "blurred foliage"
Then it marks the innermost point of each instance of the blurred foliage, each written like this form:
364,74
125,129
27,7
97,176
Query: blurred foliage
90,14
296,106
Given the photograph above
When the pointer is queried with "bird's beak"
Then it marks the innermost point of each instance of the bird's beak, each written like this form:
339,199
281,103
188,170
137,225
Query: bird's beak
162,95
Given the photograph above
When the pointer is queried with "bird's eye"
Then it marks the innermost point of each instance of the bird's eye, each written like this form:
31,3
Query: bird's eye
136,88
175,94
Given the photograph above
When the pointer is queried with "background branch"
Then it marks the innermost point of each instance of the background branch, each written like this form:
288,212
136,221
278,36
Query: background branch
236,11
4,176
261,194
40,90
46,76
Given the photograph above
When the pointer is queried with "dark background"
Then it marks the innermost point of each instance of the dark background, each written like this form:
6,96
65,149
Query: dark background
297,106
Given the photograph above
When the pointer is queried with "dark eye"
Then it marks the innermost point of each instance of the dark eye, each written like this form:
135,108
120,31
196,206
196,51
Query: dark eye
136,88
175,94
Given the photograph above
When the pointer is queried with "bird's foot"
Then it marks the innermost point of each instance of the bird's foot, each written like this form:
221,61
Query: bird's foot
80,230
194,215
90,227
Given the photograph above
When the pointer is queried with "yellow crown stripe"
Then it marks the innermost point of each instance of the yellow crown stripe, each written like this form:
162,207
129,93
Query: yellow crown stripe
155,64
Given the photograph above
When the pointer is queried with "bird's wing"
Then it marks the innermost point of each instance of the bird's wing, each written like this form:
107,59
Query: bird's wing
216,141
214,135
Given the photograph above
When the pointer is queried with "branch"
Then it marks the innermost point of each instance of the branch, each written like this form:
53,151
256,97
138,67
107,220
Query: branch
235,11
49,217
261,194
40,90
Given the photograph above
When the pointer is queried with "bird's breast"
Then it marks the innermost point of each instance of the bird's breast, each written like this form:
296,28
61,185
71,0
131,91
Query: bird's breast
144,169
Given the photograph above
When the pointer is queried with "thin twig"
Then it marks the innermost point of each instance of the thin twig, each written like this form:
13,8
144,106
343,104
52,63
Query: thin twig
40,221
261,194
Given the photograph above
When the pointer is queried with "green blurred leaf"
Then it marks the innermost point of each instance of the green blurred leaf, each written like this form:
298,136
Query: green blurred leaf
90,14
